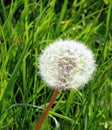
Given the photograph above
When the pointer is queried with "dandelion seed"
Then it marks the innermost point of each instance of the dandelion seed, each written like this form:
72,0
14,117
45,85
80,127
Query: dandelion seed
66,64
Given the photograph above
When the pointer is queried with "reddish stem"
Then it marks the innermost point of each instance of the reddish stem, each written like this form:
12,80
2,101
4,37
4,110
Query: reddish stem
46,110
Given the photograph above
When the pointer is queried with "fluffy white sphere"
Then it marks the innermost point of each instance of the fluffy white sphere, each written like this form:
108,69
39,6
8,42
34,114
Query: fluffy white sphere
66,64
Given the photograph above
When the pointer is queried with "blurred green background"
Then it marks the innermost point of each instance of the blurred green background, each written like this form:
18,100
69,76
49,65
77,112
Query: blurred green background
26,28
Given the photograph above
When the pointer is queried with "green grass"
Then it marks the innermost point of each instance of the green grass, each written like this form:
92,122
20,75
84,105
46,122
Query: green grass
26,27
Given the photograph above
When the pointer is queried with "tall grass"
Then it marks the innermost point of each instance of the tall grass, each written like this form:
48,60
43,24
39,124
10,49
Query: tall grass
26,27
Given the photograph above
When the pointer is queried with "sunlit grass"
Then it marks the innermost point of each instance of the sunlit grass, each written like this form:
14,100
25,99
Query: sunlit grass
26,27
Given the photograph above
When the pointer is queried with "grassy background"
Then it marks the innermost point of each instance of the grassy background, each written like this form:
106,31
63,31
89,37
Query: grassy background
26,27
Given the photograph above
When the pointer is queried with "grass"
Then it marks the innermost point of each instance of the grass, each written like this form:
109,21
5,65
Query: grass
26,27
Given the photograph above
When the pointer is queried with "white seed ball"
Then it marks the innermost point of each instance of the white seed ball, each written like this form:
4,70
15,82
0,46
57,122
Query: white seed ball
66,64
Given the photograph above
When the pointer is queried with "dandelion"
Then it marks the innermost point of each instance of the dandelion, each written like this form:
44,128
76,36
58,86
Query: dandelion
66,64
63,65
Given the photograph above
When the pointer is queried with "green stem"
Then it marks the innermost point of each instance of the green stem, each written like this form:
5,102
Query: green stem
46,110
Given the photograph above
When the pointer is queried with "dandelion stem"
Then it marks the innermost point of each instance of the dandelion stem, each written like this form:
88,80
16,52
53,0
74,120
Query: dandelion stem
47,110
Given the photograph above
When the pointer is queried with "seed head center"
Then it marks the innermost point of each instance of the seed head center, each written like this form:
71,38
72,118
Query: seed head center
65,65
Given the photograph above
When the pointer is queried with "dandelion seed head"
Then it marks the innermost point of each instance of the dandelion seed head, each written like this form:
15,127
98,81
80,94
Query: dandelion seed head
66,64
